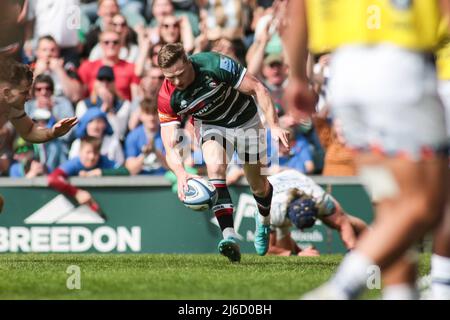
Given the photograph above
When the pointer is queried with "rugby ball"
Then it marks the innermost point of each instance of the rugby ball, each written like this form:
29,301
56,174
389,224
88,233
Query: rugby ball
201,194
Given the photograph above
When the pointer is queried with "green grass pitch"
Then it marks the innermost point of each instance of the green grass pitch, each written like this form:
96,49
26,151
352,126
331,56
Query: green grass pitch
166,276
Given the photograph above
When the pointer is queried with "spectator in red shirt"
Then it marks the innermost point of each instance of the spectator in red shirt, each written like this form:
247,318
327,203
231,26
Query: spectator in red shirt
126,80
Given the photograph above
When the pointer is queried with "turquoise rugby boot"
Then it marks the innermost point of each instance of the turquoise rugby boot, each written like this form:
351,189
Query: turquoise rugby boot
262,235
230,248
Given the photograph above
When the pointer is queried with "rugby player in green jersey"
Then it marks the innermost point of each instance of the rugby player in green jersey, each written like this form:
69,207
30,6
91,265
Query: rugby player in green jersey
219,95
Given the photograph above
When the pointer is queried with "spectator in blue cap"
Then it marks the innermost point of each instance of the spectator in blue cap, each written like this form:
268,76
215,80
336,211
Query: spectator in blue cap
94,123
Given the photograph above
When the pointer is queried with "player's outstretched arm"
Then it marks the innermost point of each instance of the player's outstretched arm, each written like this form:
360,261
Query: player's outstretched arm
341,222
358,225
173,157
31,132
250,85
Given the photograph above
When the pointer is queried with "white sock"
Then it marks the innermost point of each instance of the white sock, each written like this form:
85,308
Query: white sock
264,220
440,277
402,291
352,275
229,232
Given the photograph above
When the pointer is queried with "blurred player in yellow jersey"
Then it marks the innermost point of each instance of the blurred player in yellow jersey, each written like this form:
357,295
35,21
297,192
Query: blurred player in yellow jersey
440,260
383,91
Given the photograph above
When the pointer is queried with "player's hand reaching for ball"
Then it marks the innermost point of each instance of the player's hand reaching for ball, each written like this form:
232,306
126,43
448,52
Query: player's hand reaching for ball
182,183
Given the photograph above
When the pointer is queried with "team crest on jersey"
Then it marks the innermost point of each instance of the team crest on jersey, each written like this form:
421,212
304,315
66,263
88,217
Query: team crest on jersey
402,4
212,84
183,104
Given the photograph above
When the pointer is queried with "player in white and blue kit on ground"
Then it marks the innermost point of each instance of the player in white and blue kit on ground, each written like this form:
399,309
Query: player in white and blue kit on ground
297,200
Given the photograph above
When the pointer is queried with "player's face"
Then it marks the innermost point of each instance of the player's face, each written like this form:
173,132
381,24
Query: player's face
181,74
89,156
16,97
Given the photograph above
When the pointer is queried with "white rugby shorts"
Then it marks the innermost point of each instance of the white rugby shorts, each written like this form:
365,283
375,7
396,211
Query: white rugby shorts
385,97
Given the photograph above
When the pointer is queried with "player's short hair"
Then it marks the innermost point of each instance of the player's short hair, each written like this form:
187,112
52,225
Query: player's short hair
13,72
149,106
96,143
170,54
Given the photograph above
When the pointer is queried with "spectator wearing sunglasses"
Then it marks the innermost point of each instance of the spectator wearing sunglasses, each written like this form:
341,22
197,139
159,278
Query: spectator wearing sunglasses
177,29
162,8
129,50
126,81
106,10
105,97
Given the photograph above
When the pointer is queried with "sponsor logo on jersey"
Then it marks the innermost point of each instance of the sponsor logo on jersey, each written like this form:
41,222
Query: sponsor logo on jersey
199,107
202,111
